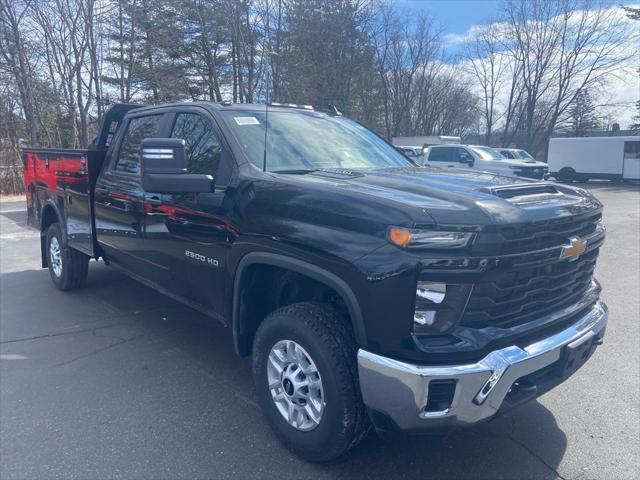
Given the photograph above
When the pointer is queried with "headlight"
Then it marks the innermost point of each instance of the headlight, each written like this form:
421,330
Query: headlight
438,306
417,238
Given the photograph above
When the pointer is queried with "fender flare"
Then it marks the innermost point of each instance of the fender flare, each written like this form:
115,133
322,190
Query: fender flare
304,268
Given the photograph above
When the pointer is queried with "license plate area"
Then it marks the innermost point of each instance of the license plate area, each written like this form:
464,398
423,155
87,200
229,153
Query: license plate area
576,353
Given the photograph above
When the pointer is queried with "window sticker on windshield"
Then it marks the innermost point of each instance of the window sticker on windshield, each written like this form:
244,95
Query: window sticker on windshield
246,120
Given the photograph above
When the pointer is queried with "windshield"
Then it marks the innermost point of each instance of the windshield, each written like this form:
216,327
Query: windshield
300,141
487,153
523,154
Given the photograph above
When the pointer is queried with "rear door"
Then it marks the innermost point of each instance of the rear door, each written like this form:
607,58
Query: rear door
190,233
631,165
119,198
73,178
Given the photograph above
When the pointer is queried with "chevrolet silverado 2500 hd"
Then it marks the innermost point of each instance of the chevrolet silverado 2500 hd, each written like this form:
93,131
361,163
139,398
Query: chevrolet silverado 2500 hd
368,290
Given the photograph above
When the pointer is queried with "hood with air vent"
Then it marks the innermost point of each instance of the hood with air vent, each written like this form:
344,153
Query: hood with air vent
445,196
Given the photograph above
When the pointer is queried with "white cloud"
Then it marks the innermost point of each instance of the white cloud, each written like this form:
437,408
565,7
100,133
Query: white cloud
461,39
618,97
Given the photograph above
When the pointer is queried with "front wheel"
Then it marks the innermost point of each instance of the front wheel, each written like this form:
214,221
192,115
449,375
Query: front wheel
68,267
305,371
567,175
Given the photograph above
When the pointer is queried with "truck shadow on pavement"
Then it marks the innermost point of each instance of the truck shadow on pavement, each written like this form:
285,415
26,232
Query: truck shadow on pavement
117,325
16,217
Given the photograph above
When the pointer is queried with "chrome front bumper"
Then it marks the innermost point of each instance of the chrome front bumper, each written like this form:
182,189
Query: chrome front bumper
400,391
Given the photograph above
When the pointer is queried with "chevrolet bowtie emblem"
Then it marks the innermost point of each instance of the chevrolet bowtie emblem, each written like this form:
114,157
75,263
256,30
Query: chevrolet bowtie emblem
574,248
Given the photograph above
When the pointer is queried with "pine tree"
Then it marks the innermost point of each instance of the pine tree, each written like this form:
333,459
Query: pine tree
583,115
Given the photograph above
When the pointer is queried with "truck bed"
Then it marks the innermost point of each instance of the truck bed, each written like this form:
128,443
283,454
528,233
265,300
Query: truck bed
60,178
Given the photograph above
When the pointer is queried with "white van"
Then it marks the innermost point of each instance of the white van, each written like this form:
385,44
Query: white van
584,158
483,158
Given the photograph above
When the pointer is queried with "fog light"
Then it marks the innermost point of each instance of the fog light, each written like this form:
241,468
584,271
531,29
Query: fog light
431,292
424,317
428,294
438,306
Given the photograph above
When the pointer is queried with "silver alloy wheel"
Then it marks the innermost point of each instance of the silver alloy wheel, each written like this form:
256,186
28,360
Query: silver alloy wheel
55,256
295,385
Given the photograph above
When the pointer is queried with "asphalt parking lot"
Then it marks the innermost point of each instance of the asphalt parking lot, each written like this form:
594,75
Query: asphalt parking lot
117,381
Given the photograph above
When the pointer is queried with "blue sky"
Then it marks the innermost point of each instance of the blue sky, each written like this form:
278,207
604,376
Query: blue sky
456,16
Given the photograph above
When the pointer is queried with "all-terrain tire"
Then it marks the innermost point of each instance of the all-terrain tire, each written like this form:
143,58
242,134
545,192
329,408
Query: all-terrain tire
328,340
567,175
68,267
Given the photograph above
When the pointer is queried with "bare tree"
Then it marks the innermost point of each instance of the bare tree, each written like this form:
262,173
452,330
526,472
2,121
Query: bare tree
488,63
14,57
563,48
64,27
405,51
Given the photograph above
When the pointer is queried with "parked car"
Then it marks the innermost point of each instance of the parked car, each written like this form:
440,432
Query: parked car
487,159
412,152
368,290
516,153
585,158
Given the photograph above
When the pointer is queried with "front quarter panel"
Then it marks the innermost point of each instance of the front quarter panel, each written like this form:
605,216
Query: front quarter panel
323,229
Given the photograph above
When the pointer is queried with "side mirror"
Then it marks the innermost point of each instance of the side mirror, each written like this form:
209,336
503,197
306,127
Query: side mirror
401,150
164,168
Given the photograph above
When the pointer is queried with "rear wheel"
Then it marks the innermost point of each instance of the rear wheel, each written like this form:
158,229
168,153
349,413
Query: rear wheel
304,365
567,175
68,267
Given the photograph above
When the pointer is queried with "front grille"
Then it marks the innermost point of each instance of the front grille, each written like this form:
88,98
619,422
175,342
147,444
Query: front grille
515,297
536,235
530,172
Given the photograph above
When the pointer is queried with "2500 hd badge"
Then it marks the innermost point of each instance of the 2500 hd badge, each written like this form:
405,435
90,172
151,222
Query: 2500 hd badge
202,258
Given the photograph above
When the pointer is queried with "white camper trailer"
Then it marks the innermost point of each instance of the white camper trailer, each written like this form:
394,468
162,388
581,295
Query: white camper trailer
584,158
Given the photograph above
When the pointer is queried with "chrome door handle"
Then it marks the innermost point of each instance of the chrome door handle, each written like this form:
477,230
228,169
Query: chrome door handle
155,200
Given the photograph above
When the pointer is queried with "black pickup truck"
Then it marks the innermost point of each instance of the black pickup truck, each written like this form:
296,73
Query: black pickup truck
369,291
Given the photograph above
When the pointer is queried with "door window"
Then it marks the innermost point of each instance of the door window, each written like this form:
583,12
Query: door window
440,154
137,130
202,147
460,155
632,150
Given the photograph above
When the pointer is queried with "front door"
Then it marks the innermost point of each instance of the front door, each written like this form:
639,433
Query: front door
631,165
190,233
461,158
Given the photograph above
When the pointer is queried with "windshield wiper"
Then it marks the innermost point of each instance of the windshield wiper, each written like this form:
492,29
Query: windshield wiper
300,171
